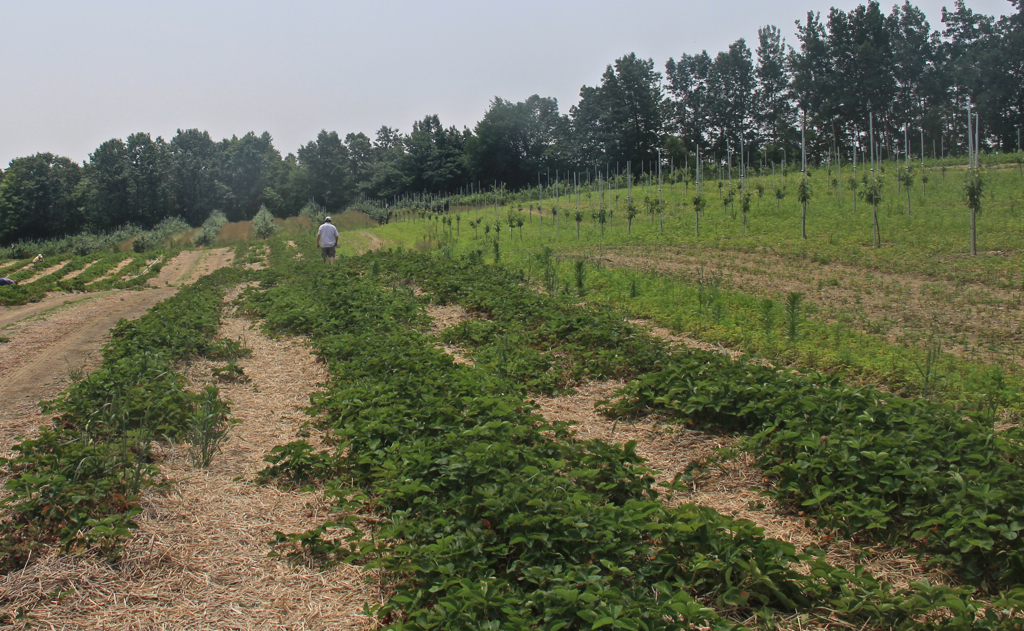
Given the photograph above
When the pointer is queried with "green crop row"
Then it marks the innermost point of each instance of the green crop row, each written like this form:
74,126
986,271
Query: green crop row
138,271
8,268
545,343
77,485
874,465
867,462
492,518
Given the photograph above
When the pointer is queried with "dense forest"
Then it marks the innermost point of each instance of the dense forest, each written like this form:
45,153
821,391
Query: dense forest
916,83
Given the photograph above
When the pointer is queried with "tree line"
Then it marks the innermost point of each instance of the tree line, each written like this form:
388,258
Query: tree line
917,84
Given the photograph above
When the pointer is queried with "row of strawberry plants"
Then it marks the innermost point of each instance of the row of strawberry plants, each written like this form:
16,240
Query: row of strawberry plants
916,469
493,518
137,273
10,267
547,343
77,485
134,274
874,465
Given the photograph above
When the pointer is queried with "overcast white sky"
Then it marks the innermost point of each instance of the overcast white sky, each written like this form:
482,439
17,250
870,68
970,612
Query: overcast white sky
73,74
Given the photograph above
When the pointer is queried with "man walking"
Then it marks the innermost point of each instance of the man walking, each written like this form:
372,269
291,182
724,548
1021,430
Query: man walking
327,240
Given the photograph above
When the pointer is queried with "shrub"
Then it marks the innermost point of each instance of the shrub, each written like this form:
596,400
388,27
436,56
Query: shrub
211,228
263,223
314,211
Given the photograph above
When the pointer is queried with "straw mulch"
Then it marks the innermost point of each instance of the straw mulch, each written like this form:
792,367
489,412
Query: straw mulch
75,273
373,242
261,253
45,272
199,558
443,317
113,272
689,342
731,486
212,261
174,270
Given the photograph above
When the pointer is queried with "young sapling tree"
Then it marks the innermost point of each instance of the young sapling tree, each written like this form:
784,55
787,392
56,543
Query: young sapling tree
793,309
698,207
745,208
631,212
803,193
974,188
906,176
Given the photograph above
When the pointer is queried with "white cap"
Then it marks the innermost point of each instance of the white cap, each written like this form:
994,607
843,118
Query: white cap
327,218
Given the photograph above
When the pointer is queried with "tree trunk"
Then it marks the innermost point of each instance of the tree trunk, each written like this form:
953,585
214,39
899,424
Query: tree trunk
803,221
974,234
875,235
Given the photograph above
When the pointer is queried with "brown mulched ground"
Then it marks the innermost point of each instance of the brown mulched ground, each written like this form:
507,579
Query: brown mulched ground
199,558
375,242
443,317
64,332
45,272
76,272
731,487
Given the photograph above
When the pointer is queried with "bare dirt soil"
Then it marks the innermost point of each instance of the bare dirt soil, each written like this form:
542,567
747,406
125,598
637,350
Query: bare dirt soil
199,557
63,333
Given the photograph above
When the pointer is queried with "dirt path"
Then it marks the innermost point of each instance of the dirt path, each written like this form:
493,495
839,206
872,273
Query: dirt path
42,350
199,558
375,242
53,300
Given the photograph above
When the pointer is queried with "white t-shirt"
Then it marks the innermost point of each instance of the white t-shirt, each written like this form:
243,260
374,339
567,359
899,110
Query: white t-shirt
328,235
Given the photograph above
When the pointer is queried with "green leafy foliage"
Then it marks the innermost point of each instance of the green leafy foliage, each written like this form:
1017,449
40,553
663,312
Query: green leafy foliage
491,517
210,229
68,490
871,464
263,223
208,427
78,484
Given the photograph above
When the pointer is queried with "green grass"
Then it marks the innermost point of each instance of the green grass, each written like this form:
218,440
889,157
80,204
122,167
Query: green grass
930,243
933,240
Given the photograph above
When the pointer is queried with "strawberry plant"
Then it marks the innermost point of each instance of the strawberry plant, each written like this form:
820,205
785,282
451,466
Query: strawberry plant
873,465
78,484
491,517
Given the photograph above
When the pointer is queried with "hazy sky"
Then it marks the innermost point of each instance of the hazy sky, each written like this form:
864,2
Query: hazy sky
73,74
